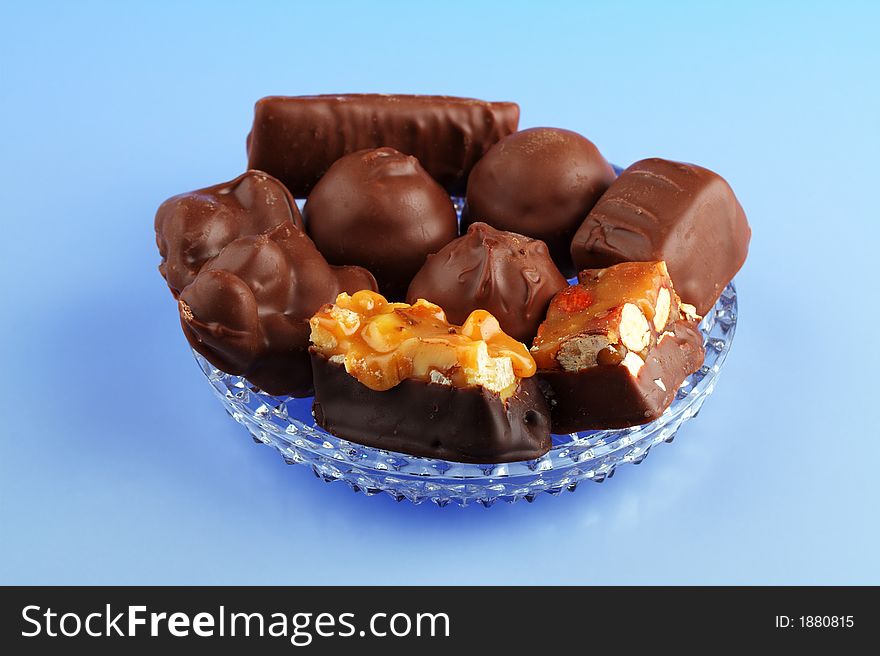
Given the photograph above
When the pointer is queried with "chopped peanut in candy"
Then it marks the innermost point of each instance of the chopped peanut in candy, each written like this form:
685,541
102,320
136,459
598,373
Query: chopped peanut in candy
613,316
382,343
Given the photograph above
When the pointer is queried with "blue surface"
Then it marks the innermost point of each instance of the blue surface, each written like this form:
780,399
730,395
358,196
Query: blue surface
117,464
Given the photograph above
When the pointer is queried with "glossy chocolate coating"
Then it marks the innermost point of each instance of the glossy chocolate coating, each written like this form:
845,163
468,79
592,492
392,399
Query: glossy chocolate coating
510,275
463,424
662,210
194,227
248,309
541,183
607,396
379,209
297,139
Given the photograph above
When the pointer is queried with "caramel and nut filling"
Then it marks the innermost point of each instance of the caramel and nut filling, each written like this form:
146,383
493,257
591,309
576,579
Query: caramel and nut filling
613,316
382,343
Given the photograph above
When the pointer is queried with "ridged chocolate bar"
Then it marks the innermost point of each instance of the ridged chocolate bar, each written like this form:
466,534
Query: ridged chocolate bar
297,138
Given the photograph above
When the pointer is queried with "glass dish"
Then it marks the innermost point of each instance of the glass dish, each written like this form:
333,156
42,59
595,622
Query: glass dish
287,425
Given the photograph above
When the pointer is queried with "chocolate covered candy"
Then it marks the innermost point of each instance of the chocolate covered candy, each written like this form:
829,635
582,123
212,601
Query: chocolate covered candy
615,347
540,182
194,227
298,138
379,209
248,309
400,377
609,314
510,275
615,396
662,210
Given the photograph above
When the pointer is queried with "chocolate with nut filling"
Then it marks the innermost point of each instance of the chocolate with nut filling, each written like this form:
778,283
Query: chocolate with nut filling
662,210
297,138
615,347
400,377
510,275
194,227
610,396
248,309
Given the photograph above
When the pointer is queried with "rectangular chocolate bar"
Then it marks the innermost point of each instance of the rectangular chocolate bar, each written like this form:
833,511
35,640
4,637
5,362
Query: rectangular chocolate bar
662,210
297,138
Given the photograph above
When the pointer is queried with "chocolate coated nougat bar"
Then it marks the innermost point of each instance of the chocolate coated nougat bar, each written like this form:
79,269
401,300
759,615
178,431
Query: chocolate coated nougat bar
297,138
662,210
615,347
612,396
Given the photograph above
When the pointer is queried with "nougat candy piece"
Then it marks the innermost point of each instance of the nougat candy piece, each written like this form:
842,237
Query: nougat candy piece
618,396
615,347
609,314
401,377
683,214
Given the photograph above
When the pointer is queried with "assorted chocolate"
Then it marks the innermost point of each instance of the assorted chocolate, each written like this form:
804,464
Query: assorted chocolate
683,214
509,275
493,349
541,183
379,209
615,347
297,139
401,377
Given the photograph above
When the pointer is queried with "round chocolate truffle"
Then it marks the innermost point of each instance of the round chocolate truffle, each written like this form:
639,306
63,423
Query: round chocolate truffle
540,182
510,275
379,209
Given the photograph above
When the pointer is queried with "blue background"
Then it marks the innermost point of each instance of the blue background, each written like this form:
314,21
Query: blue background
118,465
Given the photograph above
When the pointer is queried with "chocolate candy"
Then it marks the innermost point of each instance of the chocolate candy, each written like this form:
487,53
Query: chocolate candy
248,309
194,227
379,209
400,377
662,210
540,182
609,396
615,348
624,307
463,424
509,275
298,138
